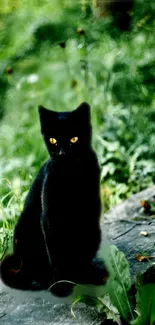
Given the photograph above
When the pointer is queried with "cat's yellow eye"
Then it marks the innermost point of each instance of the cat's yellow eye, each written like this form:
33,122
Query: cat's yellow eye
53,140
74,140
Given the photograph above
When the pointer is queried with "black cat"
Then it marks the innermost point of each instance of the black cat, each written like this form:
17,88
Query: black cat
58,233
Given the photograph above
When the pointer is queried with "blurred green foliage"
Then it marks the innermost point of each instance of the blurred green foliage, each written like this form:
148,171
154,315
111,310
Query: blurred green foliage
58,53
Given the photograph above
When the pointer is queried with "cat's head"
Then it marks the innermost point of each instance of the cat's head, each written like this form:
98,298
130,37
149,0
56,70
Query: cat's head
66,133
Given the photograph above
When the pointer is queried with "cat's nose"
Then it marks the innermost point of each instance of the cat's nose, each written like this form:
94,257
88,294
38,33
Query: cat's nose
61,152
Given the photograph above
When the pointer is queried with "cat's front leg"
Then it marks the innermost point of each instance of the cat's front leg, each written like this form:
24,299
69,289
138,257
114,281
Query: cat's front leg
45,226
59,285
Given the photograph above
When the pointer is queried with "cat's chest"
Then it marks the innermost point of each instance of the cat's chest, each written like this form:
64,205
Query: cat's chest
67,185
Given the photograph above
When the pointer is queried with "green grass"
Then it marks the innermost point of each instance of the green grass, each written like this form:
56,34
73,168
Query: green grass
111,70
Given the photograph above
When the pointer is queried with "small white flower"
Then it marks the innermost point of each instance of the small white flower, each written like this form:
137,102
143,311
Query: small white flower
32,78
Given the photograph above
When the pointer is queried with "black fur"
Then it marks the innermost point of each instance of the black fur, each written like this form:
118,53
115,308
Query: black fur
58,233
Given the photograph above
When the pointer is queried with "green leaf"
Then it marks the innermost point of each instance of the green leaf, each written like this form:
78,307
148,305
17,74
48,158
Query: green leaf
91,301
146,305
119,281
110,311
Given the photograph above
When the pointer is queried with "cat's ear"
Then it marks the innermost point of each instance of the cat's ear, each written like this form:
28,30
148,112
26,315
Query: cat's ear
46,114
84,110
46,117
43,112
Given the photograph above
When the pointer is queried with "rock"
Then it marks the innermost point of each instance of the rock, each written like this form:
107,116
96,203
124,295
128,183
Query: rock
38,312
122,227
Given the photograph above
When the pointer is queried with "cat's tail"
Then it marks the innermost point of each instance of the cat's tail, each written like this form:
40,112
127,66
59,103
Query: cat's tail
14,275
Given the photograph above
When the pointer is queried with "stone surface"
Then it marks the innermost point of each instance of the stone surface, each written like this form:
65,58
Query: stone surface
122,227
123,224
38,312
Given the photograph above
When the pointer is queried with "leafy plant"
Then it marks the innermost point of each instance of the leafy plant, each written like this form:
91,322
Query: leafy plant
116,304
118,286
145,305
119,281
